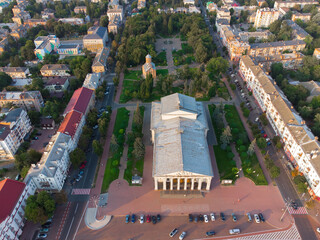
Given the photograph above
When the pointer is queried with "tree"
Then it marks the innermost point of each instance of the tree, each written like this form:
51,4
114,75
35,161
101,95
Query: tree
302,187
26,158
92,118
61,197
201,53
251,147
139,150
77,156
104,21
226,136
137,118
35,117
6,80
275,171
113,144
39,207
217,65
252,40
262,143
97,147
16,61
264,120
299,179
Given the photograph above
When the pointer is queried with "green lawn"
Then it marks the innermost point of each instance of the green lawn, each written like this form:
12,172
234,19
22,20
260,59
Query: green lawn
135,75
129,86
160,59
250,164
112,166
163,72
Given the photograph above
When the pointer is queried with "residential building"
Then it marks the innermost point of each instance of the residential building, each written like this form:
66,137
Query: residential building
181,159
223,13
300,145
16,72
245,36
114,24
99,64
47,123
113,3
13,128
141,4
302,16
115,11
92,81
81,101
312,86
190,2
21,17
47,13
297,31
16,10
211,7
72,21
3,32
19,32
283,11
149,68
3,44
51,171
291,4
265,16
13,197
193,9
34,22
80,9
50,70
275,48
3,5
30,100
45,45
96,38
316,53
70,49
221,23
56,84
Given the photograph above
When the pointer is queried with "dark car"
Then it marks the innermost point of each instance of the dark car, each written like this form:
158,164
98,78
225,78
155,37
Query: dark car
294,205
173,232
46,225
158,218
234,218
190,218
133,218
154,219
261,217
72,181
35,138
127,218
222,216
211,233
201,218
196,219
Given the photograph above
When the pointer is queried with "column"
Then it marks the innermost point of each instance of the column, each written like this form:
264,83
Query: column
185,183
171,183
178,182
208,184
155,184
199,183
165,184
192,184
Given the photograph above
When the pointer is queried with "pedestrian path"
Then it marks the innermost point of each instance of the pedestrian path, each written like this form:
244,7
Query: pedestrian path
80,191
300,210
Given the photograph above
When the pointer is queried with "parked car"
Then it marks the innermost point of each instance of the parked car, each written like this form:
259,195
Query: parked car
38,133
262,131
190,218
265,135
78,178
294,205
42,235
222,216
95,127
318,230
196,219
35,138
249,217
158,217
261,217
127,218
81,173
234,218
154,219
44,230
211,233
257,119
133,218
234,231
256,218
148,218
173,232
212,217
206,219
141,219
46,225
183,234
201,218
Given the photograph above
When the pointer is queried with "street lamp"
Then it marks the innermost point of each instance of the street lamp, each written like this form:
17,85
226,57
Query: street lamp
287,204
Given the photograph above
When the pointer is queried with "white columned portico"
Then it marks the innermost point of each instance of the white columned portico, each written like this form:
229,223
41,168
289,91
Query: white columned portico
192,184
156,183
200,183
178,183
165,184
208,184
185,183
171,183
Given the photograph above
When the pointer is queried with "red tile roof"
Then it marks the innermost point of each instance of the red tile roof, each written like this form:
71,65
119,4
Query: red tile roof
79,101
10,192
70,123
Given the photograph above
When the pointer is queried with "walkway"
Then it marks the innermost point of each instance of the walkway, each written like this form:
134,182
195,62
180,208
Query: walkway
250,135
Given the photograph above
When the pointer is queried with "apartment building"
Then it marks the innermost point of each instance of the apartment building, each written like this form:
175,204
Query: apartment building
316,53
45,45
265,16
223,13
19,32
302,16
21,17
70,49
297,31
16,72
96,38
245,36
211,7
142,4
30,100
275,48
300,145
81,101
51,171
56,84
3,44
114,24
80,9
117,10
190,2
34,22
13,128
72,21
13,197
50,70
47,13
291,4
92,81
99,64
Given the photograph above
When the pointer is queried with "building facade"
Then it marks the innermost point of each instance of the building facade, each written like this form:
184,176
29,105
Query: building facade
265,16
56,84
149,67
96,39
291,4
70,49
99,64
92,81
45,45
30,100
50,70
16,72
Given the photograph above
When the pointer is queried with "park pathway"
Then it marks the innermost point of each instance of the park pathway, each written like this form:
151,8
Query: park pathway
124,158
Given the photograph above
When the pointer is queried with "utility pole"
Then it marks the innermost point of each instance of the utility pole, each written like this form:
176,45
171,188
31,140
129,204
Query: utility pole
287,204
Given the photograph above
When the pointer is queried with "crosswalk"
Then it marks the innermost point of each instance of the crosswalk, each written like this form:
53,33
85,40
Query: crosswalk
300,210
290,234
80,191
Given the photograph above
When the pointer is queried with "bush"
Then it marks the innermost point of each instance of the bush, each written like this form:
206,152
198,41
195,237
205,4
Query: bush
302,187
275,171
299,179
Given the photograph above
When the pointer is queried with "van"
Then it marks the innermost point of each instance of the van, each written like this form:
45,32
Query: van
17,177
234,231
249,217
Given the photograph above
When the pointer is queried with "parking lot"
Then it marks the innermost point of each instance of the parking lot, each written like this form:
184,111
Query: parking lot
42,140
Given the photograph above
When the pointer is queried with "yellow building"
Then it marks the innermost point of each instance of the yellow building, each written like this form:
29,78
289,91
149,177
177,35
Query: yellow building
99,64
149,68
96,39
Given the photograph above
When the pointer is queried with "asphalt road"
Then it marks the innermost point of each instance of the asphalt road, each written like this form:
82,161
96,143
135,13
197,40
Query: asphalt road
305,228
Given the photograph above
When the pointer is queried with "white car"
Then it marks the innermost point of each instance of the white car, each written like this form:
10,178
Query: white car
206,219
183,234
256,218
212,217
141,219
318,230
234,231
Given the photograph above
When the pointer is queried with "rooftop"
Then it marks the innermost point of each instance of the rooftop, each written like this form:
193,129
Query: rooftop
79,100
55,67
97,32
277,44
101,57
70,123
